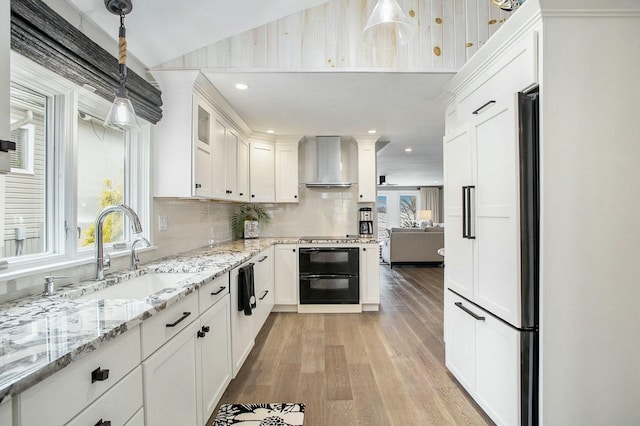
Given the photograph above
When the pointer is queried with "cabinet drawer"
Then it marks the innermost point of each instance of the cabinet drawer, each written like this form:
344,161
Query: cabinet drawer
516,70
58,398
117,405
210,293
166,324
137,419
262,268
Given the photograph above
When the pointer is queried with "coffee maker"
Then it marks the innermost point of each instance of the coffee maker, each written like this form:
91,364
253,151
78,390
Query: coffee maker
366,222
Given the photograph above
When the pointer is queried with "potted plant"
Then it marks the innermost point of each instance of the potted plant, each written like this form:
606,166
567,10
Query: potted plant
246,221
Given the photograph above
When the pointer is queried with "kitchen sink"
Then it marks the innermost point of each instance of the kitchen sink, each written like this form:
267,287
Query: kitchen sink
139,287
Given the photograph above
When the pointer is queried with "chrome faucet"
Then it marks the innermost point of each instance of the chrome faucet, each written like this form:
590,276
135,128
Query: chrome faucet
134,255
104,261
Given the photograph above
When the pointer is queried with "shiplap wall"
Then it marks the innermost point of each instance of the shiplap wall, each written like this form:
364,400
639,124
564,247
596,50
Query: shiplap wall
446,34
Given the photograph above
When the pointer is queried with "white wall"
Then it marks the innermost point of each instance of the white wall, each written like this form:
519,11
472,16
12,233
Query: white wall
321,211
590,227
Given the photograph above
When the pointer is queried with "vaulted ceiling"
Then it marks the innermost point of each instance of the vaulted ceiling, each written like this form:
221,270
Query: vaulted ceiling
308,70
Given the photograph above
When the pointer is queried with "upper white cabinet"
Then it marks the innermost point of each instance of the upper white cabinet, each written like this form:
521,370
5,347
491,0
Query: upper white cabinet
262,174
5,412
198,152
366,171
287,172
243,171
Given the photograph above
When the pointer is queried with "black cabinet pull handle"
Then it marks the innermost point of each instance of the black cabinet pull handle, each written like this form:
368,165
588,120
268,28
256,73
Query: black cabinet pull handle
6,146
206,328
464,212
265,294
103,423
469,188
294,250
220,290
262,259
476,112
241,194
459,305
99,375
198,186
201,333
179,320
253,195
295,196
361,196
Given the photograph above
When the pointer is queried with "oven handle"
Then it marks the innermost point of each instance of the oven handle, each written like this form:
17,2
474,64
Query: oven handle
323,276
324,249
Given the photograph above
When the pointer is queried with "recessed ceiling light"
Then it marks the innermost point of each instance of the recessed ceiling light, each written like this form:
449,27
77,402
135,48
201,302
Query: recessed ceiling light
373,132
408,149
242,86
271,131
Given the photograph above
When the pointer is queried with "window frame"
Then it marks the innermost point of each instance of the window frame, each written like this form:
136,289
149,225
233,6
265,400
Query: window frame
62,148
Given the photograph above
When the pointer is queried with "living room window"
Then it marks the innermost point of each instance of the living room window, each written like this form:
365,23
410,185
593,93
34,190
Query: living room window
400,208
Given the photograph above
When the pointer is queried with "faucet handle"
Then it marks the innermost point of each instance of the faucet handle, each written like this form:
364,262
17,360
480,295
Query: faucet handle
49,289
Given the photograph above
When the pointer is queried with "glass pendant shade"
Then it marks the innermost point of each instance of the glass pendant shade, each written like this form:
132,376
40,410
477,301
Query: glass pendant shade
121,115
387,27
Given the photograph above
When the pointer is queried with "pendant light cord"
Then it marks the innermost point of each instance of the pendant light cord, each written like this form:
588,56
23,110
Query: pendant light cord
122,51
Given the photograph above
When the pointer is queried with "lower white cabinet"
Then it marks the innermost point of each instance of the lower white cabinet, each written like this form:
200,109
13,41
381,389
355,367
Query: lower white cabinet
169,377
286,275
244,328
59,398
214,356
370,276
5,412
116,406
483,353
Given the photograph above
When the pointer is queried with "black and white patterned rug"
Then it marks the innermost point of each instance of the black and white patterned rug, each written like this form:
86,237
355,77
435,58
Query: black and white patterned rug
260,415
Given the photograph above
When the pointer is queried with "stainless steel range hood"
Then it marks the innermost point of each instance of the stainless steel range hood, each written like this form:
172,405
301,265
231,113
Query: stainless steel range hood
327,162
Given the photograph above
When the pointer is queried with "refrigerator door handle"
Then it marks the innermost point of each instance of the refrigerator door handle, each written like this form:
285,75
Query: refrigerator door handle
470,234
464,212
477,317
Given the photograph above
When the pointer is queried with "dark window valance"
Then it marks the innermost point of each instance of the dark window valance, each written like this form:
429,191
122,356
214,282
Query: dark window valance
43,36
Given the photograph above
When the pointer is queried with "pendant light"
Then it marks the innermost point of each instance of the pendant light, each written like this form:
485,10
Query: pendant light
121,115
387,26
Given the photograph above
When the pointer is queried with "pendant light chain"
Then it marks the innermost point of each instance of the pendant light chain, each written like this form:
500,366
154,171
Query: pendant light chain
122,50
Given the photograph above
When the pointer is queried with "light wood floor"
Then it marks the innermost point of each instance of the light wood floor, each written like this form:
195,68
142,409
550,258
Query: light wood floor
382,368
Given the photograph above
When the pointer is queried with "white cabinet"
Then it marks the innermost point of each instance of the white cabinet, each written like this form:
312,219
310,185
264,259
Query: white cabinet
483,353
214,356
370,276
366,172
262,172
286,275
5,412
458,175
244,328
117,405
286,172
169,375
243,171
83,382
203,148
219,160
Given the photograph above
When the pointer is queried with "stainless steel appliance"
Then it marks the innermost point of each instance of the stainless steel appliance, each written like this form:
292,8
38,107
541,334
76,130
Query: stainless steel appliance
365,225
329,275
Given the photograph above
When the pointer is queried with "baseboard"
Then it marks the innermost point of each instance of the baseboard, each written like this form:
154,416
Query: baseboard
371,307
330,309
285,308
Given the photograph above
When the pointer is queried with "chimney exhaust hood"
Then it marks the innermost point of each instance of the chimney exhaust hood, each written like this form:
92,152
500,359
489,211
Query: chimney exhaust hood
327,162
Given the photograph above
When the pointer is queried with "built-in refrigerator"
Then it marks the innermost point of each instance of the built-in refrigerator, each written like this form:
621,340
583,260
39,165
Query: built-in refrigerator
525,327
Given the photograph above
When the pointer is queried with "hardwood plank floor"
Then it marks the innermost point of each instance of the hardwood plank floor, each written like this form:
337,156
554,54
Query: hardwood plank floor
376,368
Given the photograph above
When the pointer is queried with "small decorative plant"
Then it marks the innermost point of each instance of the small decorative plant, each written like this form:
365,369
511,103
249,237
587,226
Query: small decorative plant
245,221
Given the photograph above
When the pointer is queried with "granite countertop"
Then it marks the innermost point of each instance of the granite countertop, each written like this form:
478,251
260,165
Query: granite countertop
40,335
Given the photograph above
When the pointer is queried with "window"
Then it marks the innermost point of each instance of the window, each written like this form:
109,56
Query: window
67,167
382,217
24,210
400,207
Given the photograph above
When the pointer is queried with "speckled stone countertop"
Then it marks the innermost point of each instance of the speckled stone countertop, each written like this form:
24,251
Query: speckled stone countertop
40,335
